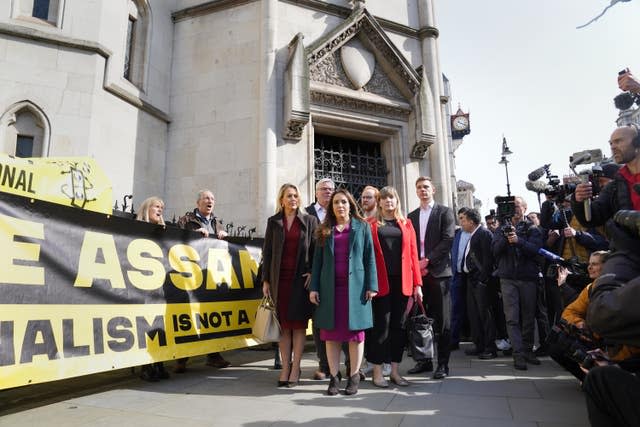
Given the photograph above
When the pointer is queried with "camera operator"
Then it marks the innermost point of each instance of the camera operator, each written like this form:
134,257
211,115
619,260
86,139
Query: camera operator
613,394
515,250
618,194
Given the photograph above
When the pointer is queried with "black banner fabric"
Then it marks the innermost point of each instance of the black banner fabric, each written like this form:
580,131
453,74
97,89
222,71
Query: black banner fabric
84,292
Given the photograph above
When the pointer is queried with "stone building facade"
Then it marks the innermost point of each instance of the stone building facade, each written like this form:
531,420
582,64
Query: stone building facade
240,96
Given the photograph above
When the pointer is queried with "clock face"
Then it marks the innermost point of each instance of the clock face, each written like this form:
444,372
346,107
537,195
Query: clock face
460,123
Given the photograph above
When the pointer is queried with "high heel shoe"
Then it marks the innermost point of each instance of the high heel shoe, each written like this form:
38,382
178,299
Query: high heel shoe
292,384
334,383
285,383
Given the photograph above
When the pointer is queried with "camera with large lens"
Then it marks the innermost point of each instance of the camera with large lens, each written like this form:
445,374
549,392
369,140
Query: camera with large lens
630,220
574,343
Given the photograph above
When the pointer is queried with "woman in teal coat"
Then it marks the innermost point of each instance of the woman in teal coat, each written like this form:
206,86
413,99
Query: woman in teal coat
343,282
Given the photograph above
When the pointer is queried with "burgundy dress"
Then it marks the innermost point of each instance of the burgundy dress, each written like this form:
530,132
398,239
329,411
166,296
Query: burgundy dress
341,331
287,274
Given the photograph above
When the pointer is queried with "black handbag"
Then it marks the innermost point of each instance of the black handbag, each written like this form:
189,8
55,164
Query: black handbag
419,329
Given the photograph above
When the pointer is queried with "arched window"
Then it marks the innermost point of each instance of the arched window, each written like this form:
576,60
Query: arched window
39,11
137,40
25,131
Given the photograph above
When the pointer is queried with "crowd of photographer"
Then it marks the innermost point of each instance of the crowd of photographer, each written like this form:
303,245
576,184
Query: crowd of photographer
561,272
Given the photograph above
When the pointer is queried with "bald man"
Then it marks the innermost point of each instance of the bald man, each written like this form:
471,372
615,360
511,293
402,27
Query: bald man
621,193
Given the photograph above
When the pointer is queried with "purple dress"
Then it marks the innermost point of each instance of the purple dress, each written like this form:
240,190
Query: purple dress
341,331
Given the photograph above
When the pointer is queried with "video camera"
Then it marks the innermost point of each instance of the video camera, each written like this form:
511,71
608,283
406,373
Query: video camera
560,189
575,343
573,264
506,209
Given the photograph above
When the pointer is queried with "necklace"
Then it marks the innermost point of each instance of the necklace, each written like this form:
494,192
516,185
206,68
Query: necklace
340,227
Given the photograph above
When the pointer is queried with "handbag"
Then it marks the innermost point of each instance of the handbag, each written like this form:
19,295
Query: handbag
266,327
419,331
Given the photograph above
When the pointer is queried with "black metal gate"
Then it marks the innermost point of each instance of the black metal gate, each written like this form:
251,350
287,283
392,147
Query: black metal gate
351,164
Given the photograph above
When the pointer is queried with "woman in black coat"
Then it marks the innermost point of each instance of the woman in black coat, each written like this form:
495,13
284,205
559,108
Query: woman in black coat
286,268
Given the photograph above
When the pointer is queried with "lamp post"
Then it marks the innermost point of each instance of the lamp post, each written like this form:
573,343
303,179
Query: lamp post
503,161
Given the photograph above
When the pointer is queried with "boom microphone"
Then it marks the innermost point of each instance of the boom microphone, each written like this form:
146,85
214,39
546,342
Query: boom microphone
537,174
536,186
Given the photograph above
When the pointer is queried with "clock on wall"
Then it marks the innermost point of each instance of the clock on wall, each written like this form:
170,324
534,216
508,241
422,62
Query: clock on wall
460,125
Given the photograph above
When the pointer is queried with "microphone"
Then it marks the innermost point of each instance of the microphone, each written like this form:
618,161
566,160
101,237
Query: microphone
536,186
537,174
551,256
584,158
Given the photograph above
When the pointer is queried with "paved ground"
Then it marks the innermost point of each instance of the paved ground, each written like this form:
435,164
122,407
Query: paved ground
478,393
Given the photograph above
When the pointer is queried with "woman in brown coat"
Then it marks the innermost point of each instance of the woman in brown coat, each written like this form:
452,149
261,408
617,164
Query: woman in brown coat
286,268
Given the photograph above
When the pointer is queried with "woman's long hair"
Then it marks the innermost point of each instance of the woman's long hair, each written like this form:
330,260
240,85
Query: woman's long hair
143,210
324,229
397,213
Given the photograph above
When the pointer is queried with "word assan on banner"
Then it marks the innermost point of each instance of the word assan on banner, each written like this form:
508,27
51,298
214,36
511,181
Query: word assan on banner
83,292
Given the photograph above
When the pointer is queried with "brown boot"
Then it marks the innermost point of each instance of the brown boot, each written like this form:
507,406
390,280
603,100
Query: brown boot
334,384
352,384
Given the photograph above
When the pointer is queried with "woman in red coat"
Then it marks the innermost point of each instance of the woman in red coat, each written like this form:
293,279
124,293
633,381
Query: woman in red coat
394,242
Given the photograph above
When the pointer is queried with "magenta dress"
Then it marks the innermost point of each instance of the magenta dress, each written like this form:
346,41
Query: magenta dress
341,331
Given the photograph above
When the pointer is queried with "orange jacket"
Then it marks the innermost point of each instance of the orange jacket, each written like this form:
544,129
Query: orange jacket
410,267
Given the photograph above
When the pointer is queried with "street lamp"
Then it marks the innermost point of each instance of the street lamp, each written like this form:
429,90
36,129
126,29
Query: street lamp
503,161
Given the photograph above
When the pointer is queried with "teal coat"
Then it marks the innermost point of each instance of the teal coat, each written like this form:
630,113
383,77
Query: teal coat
362,278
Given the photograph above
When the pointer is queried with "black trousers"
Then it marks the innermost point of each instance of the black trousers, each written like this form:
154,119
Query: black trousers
386,341
612,397
437,303
483,331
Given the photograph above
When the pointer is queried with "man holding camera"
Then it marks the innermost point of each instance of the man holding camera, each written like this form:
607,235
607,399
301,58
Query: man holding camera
515,250
624,191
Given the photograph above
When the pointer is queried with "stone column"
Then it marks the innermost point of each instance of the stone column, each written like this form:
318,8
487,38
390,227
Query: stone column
267,115
438,153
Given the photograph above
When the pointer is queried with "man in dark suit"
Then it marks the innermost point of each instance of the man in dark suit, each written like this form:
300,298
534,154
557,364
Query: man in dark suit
477,267
434,225
458,291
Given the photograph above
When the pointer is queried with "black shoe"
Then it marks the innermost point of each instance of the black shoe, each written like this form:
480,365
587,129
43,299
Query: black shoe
441,372
334,384
531,358
486,355
454,347
352,385
519,362
426,366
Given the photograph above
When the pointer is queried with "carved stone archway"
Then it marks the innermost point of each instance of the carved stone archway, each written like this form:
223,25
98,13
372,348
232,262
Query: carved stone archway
372,78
